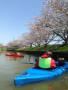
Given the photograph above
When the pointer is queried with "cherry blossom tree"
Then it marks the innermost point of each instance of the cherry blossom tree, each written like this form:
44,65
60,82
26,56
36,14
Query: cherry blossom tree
55,12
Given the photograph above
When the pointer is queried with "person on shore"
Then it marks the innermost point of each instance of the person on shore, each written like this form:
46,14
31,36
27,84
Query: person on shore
46,61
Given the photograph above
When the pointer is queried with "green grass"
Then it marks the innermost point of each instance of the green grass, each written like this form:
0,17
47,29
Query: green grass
36,48
43,48
63,49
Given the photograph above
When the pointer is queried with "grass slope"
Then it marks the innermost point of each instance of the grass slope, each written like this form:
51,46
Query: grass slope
43,48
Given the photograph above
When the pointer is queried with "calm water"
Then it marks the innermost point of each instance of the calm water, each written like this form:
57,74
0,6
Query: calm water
11,67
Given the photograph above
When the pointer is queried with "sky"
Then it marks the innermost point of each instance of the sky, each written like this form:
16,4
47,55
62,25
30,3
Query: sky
14,15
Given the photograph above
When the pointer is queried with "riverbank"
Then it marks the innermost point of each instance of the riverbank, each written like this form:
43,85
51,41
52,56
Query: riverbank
54,48
58,50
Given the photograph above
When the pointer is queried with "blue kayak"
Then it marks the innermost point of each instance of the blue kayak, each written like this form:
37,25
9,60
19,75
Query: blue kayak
33,75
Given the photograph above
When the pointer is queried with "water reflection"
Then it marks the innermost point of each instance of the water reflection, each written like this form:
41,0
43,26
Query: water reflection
27,59
14,58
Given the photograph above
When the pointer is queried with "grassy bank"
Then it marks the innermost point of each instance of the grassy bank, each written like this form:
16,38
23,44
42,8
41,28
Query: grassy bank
58,48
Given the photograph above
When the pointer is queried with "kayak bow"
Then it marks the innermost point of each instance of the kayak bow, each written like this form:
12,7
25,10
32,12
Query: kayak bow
36,75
